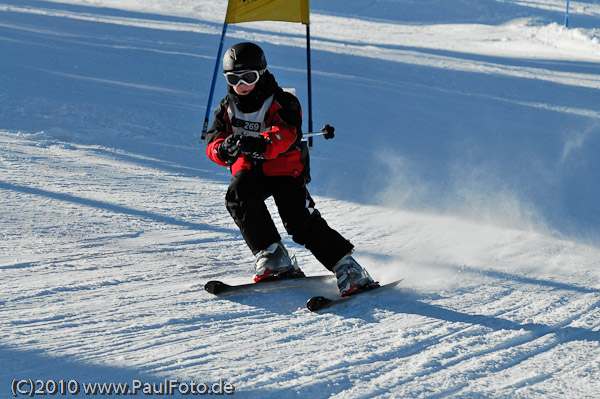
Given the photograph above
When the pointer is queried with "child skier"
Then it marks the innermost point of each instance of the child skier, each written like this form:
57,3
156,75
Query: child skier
257,133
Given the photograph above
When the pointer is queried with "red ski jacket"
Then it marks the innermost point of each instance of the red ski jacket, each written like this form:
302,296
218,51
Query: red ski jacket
270,112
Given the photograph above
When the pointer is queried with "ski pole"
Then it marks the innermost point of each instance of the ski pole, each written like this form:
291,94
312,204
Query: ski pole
327,132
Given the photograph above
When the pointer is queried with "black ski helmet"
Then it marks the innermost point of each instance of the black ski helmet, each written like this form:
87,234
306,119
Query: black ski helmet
244,56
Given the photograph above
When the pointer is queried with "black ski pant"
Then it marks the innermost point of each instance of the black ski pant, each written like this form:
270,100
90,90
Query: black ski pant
245,201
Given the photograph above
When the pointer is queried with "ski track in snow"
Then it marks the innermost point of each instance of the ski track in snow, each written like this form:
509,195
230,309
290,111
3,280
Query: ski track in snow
106,238
108,275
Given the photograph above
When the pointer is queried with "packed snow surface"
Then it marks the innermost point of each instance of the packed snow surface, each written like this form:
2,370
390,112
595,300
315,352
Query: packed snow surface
465,161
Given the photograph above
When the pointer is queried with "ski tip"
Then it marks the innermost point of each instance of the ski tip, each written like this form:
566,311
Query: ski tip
214,287
317,302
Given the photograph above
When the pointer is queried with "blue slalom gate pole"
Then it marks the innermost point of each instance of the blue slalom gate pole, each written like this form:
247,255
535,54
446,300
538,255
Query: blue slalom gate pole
567,15
214,80
310,121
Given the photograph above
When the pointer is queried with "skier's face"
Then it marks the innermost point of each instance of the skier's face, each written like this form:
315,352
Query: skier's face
243,89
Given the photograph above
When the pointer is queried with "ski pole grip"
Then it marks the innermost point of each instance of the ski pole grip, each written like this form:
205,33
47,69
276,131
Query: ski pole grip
328,132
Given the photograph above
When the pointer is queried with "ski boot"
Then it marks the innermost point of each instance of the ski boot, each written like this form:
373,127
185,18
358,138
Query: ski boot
274,261
351,277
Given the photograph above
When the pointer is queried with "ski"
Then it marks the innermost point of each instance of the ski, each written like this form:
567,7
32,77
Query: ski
317,303
217,287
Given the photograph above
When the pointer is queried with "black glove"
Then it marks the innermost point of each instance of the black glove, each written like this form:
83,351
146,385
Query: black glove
229,150
254,147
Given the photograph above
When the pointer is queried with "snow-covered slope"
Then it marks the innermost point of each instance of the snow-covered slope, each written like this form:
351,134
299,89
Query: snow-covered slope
465,162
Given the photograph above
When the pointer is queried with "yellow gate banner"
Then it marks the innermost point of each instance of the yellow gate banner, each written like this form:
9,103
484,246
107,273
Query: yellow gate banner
267,10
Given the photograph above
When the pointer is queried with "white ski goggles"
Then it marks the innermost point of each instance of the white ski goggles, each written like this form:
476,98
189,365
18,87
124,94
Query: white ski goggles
248,78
